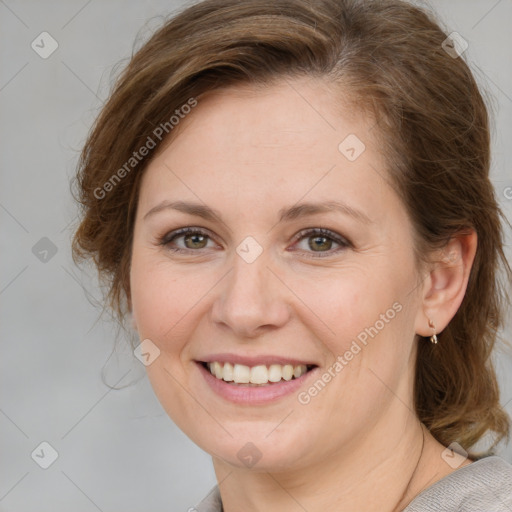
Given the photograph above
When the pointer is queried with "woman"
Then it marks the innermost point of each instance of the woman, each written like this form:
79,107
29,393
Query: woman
291,201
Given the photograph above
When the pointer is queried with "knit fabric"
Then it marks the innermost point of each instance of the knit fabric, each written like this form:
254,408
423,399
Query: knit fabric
483,486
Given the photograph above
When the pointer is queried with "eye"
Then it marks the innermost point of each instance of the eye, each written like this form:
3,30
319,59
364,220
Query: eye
193,239
320,241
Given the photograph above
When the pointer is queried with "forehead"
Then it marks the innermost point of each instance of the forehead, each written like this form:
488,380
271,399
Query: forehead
302,112
247,146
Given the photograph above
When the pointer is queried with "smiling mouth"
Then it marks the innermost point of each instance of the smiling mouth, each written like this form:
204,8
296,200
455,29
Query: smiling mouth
260,375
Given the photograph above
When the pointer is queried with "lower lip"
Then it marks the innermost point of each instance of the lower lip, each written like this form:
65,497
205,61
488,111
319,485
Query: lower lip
253,395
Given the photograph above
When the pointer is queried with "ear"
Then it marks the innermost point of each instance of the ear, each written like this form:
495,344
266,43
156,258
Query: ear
445,284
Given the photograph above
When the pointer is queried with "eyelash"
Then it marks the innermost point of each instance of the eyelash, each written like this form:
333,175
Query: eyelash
305,233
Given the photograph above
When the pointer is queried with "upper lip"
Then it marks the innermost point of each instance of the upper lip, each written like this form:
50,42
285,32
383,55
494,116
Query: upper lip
263,359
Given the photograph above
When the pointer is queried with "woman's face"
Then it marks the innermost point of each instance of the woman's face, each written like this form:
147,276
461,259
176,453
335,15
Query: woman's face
257,286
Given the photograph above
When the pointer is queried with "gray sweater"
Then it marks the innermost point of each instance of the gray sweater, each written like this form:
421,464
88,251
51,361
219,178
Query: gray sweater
483,486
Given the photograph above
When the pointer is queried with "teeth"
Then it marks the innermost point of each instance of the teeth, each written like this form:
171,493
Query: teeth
241,374
259,375
275,373
287,372
228,372
217,370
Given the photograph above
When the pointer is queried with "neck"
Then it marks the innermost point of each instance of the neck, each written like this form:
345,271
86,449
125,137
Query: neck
352,479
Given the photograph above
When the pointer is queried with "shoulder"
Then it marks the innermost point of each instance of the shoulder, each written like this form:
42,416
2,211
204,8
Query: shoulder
211,502
483,485
486,484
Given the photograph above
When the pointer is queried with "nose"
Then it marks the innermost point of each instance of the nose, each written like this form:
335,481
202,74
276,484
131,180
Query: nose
252,300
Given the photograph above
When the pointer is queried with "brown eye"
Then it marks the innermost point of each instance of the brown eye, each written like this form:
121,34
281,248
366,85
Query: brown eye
320,241
194,239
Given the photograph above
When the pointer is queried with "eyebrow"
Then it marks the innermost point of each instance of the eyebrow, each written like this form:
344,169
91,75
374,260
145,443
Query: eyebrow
285,214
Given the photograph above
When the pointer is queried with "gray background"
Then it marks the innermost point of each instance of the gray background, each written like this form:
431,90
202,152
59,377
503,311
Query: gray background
117,449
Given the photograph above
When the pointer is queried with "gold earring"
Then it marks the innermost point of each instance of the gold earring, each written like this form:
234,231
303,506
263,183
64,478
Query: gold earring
433,338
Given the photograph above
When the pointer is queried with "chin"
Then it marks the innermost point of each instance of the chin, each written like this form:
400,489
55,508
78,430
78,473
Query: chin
258,452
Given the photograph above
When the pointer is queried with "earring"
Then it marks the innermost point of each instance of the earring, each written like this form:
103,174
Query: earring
433,338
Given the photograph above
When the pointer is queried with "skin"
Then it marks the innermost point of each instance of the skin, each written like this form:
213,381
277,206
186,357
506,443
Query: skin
247,153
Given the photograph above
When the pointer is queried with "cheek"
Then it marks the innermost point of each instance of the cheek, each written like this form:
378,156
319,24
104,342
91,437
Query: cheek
159,297
368,327
348,301
166,300
367,323
162,305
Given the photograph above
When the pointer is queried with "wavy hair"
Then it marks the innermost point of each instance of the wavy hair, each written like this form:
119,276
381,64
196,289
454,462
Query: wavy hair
433,126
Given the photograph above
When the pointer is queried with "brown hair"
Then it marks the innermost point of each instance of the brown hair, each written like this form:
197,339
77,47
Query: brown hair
432,122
